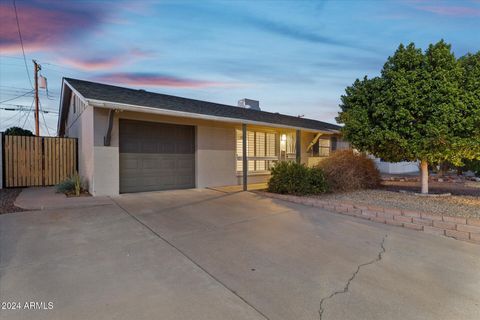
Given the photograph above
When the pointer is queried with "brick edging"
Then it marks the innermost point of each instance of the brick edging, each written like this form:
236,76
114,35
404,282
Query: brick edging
460,228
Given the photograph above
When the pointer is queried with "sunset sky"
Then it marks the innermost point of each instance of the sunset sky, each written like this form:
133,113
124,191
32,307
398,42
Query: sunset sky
295,57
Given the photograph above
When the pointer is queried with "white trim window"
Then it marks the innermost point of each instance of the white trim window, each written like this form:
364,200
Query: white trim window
261,151
324,147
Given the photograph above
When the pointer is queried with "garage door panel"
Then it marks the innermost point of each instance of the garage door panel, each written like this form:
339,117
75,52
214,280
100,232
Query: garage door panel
156,156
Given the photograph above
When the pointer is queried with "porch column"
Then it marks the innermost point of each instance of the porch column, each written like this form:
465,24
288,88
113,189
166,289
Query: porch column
298,147
244,156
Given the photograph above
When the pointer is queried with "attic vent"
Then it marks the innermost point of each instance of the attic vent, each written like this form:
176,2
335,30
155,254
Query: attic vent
249,104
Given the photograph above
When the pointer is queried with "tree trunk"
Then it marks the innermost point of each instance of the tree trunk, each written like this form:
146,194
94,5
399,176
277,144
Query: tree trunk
424,177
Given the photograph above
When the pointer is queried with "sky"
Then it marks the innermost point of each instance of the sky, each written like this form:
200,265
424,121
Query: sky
295,57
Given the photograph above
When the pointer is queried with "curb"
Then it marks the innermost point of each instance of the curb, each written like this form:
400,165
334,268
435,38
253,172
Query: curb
459,228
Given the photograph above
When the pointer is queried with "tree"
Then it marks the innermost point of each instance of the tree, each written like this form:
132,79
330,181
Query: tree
17,131
425,106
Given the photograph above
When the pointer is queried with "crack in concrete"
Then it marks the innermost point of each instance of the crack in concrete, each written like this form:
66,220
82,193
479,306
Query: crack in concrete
347,285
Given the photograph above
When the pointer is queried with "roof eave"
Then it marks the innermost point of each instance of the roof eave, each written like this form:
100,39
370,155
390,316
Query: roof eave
63,113
139,108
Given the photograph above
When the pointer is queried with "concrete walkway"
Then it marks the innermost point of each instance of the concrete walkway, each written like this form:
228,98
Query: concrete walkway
203,254
239,188
42,198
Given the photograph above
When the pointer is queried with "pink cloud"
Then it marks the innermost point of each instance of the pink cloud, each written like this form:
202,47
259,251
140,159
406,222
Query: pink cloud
454,11
92,64
156,80
104,63
45,24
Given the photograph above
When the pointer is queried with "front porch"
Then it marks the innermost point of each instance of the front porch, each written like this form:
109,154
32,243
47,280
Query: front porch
258,148
219,153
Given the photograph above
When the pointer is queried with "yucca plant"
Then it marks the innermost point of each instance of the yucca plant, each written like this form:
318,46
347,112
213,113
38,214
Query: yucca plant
77,182
72,185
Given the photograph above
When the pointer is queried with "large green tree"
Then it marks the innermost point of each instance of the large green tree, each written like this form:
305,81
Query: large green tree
425,106
17,131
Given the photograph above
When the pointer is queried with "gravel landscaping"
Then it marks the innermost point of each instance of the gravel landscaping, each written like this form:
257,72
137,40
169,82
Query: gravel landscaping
7,199
464,206
469,188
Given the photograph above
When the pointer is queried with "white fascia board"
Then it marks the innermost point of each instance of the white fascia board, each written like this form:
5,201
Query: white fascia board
137,108
82,98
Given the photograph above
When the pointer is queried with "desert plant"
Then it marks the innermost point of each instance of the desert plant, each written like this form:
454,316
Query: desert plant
347,170
293,178
72,185
77,182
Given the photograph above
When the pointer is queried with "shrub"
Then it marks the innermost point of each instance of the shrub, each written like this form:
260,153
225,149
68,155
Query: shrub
72,185
346,170
297,179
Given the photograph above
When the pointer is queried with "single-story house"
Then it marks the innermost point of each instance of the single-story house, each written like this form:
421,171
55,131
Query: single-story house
133,140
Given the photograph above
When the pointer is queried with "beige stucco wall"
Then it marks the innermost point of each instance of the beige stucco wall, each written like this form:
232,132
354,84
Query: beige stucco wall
215,156
80,125
214,159
215,150
105,177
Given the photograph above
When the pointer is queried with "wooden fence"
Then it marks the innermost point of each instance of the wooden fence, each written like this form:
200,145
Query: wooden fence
38,161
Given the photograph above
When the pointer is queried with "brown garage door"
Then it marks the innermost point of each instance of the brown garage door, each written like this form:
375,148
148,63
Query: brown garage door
156,156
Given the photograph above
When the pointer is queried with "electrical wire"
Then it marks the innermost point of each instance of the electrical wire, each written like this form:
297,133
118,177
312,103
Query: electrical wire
28,113
19,112
22,95
21,42
43,116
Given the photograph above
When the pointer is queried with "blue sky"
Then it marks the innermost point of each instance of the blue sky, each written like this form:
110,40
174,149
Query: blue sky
296,57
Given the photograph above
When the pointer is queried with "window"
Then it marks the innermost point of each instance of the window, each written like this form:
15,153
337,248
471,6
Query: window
261,151
323,147
288,146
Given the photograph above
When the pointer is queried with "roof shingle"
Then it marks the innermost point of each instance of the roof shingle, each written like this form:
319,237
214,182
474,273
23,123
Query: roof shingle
114,94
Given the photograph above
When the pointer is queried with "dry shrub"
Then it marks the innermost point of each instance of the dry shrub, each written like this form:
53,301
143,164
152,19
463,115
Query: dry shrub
346,170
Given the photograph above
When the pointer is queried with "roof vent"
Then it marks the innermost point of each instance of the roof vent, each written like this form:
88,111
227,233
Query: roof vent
249,104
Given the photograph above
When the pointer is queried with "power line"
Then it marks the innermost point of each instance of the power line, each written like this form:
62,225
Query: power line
21,42
22,95
47,110
28,113
19,112
43,116
24,108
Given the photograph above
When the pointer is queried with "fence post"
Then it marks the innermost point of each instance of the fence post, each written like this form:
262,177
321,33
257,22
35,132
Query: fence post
43,160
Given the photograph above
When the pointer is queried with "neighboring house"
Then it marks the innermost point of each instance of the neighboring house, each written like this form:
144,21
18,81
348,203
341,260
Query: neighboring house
396,167
133,140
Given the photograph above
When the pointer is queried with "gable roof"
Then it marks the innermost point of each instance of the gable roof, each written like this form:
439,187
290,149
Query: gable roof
100,92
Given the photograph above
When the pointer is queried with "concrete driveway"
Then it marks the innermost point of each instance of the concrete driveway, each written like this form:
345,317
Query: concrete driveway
204,254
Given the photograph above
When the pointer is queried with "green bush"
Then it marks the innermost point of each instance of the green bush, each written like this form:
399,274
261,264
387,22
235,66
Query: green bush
71,186
293,178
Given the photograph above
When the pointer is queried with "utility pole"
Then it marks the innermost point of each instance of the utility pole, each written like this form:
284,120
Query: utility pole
37,68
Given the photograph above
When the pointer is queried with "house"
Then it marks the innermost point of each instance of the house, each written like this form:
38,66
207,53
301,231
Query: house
134,140
404,167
